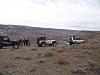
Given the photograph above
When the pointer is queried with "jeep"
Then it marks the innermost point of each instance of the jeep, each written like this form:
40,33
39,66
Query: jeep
75,40
43,41
5,41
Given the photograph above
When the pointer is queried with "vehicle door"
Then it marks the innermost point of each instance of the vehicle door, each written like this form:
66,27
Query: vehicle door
77,40
49,41
6,41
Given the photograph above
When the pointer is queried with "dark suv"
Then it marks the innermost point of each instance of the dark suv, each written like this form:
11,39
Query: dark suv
5,41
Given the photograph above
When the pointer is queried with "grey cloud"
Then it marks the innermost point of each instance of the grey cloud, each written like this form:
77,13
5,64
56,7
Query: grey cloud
86,17
88,20
69,1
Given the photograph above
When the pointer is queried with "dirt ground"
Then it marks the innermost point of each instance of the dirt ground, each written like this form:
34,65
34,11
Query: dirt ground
80,59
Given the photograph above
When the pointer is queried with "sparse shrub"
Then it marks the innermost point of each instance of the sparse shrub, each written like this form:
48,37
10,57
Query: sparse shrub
1,73
59,59
59,49
34,49
88,52
93,67
41,61
80,56
11,49
39,54
32,70
18,57
28,58
78,69
5,73
49,72
6,66
23,58
54,48
49,54
62,49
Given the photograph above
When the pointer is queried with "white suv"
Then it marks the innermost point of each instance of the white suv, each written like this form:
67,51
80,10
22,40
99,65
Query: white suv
75,40
43,41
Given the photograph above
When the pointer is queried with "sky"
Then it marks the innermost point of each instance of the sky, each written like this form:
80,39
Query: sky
61,14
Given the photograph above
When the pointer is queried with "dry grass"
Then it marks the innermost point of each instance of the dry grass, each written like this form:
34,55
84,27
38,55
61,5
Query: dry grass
59,59
34,49
62,49
59,49
49,54
23,58
25,61
54,49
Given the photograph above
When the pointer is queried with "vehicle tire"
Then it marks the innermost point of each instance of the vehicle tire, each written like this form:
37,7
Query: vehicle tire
1,46
70,42
54,44
76,43
39,45
15,46
43,44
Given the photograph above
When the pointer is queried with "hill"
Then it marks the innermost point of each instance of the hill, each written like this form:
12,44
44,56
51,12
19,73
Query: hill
21,32
80,59
18,32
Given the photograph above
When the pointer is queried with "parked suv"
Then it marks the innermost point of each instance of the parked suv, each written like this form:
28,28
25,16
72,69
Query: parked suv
43,41
5,41
75,40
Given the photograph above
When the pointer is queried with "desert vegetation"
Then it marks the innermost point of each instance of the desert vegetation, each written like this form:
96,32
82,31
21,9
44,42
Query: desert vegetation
81,59
64,59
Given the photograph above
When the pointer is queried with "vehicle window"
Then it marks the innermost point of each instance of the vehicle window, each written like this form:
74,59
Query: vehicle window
5,38
69,38
77,39
42,38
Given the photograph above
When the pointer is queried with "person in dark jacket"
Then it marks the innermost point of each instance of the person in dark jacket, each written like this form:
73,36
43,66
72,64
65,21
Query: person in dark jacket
21,42
70,41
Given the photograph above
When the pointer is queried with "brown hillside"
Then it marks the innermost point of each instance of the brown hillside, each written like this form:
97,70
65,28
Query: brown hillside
18,32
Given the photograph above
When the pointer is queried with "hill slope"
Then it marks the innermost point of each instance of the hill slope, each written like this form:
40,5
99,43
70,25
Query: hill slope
18,32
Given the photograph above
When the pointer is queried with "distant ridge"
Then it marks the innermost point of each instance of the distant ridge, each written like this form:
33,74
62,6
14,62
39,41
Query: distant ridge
18,32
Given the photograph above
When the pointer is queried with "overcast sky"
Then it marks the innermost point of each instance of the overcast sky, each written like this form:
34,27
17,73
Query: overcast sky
63,14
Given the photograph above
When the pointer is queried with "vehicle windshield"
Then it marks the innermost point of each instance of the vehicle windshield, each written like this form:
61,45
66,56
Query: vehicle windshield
77,39
6,39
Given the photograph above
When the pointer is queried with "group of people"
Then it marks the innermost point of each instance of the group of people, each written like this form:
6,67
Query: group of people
24,42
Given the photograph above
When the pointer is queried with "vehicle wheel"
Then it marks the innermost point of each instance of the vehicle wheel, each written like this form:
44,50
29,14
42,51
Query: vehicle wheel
43,44
16,46
1,46
39,45
71,43
75,43
54,44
